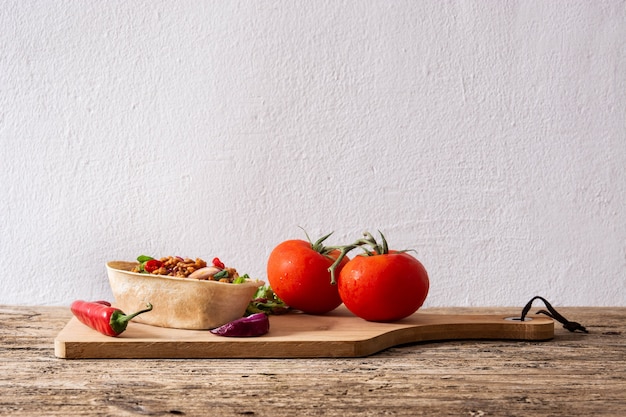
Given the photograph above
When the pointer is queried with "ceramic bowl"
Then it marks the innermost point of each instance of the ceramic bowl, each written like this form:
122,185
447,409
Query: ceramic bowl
181,303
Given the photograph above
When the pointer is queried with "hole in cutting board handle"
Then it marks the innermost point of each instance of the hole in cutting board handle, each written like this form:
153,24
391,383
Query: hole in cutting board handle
518,319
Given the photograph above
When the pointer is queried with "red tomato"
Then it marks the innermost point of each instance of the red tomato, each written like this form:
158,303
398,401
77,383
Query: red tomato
383,287
298,274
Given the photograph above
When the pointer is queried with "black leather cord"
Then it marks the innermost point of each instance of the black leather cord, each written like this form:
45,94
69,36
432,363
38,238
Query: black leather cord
572,326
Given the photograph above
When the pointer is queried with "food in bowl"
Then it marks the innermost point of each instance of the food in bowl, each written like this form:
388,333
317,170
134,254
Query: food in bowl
178,266
180,302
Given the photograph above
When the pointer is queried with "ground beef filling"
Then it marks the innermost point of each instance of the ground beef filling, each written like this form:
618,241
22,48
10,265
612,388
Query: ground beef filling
179,267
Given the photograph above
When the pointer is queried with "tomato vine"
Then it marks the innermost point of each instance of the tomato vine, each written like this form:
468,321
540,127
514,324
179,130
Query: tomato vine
368,240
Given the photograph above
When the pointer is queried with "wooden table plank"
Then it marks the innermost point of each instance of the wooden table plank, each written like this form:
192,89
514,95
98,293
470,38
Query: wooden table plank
574,374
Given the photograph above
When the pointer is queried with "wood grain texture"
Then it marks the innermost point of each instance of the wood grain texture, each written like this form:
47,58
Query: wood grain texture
573,374
336,334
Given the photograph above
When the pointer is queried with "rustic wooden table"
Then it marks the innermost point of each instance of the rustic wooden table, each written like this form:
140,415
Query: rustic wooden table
574,374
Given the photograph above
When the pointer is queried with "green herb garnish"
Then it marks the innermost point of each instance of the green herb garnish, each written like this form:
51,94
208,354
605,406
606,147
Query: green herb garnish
266,301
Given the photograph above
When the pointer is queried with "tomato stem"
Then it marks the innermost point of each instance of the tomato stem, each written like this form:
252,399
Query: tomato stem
377,249
385,246
343,252
368,240
318,246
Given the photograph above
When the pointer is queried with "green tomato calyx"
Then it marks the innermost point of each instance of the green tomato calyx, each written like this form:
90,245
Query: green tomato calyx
318,246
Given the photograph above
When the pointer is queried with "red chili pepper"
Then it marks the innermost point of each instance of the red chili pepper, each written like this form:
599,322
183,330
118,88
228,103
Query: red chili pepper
152,265
100,316
218,263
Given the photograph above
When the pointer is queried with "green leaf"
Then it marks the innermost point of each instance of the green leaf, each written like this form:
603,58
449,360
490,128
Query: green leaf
222,274
241,279
266,301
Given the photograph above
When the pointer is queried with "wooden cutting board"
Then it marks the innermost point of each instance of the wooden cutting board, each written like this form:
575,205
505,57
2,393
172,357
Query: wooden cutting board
294,335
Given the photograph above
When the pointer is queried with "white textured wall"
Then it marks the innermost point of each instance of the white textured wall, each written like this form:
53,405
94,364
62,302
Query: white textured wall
490,136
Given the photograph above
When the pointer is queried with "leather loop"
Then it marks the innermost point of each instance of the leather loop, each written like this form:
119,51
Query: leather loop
572,326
